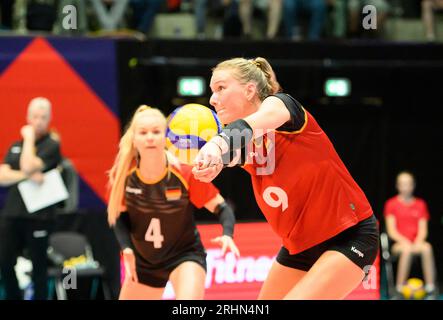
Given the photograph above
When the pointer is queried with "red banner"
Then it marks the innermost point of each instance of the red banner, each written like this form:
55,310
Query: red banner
229,278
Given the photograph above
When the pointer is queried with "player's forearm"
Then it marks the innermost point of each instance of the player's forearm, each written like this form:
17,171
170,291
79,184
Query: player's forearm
29,162
9,177
271,114
226,217
122,233
421,236
397,237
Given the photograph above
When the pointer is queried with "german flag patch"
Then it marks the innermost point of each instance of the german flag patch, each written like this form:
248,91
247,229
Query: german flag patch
173,193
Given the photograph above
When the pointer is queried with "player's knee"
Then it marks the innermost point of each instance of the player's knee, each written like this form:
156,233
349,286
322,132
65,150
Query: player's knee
426,247
405,249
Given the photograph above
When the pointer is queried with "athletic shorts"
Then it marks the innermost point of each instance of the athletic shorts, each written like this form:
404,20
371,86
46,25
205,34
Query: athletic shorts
158,275
360,243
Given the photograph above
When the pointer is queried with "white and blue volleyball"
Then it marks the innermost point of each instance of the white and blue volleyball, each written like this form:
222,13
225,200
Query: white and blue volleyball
189,127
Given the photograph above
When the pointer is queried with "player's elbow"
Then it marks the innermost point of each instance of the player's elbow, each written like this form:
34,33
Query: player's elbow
3,176
30,166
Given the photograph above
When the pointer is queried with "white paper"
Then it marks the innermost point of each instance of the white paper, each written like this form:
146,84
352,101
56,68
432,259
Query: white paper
38,196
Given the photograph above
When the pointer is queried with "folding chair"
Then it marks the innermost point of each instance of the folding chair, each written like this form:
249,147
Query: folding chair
67,245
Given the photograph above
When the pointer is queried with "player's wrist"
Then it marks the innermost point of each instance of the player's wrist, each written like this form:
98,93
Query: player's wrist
236,135
221,143
128,251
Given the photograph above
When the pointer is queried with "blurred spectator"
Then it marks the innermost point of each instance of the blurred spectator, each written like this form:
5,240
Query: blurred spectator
316,9
173,5
274,8
228,9
6,14
232,26
34,15
144,12
428,9
339,17
407,225
200,11
355,14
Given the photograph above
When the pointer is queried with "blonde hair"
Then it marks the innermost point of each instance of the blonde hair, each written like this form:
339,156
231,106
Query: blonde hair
256,70
125,159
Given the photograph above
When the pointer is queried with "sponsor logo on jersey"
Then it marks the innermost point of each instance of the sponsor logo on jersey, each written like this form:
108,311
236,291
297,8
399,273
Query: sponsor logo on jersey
133,190
16,149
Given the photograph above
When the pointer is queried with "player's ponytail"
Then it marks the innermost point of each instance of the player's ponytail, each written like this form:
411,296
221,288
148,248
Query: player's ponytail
256,70
272,86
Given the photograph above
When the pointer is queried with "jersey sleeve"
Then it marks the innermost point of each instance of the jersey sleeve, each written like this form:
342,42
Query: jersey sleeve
50,156
388,208
424,213
298,114
8,159
200,192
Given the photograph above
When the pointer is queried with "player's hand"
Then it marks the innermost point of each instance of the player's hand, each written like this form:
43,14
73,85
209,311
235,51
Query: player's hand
208,163
226,242
27,132
37,177
405,242
129,262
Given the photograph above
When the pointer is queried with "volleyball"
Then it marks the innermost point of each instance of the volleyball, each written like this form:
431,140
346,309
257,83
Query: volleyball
414,289
189,127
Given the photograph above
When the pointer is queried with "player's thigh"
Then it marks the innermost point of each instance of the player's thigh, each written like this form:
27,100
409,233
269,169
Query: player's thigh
188,281
280,280
333,276
132,290
399,248
421,248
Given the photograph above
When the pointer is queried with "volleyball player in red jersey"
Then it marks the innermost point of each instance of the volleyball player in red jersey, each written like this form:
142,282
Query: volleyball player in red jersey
328,230
151,207
407,219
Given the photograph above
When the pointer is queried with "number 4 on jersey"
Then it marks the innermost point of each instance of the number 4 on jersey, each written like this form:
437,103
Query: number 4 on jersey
153,234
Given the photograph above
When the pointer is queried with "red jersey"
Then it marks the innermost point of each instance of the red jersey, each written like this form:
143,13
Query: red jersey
310,196
407,215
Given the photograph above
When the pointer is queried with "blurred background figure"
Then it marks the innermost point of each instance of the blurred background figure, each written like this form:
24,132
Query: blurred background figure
6,14
429,7
34,15
271,9
232,26
23,233
316,9
200,12
339,17
407,225
144,12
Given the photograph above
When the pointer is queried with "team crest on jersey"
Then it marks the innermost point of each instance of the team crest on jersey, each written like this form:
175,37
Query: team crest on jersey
16,149
133,190
173,193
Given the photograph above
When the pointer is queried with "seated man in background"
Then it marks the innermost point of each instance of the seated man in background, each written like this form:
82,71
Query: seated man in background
427,10
407,225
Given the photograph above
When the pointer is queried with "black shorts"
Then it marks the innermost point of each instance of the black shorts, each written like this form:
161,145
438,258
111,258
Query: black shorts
158,275
360,243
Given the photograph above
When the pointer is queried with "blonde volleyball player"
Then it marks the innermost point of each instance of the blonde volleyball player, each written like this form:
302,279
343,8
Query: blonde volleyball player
327,227
151,206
